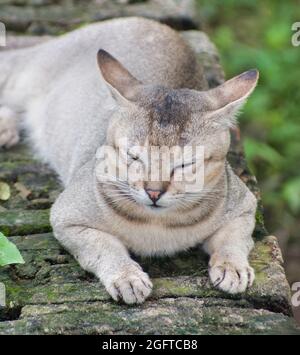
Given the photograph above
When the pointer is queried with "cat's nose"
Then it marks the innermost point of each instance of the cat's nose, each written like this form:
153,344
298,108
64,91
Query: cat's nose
154,194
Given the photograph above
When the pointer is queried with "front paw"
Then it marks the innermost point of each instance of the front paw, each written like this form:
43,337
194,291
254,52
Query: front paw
230,275
130,285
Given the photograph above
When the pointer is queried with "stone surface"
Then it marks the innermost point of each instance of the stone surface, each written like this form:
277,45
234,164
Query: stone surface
182,315
57,16
51,294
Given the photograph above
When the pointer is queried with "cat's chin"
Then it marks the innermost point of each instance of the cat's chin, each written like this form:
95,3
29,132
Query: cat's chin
156,208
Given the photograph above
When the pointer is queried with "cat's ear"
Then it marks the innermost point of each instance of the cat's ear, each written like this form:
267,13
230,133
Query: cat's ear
225,101
122,84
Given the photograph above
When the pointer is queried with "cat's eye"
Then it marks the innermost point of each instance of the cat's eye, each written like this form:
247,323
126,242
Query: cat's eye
187,164
182,166
133,157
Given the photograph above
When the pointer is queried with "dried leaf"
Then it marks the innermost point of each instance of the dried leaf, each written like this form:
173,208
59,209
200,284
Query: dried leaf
4,191
23,191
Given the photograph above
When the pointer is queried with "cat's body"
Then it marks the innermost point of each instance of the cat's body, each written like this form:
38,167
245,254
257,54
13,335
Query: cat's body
70,110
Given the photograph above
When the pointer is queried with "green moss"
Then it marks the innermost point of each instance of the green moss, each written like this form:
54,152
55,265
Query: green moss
260,260
259,217
260,230
24,222
17,294
171,287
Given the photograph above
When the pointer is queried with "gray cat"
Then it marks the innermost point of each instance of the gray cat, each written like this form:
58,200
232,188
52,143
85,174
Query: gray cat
154,94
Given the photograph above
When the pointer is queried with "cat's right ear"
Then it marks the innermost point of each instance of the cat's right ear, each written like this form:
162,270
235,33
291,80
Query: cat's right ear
225,101
121,83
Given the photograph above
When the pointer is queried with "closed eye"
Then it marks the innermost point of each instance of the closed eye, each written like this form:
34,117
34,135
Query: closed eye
134,157
183,166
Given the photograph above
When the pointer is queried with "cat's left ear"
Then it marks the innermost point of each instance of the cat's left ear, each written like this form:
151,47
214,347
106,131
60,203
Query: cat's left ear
122,84
224,102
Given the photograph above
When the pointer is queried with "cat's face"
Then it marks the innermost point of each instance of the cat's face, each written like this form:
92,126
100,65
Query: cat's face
167,148
160,168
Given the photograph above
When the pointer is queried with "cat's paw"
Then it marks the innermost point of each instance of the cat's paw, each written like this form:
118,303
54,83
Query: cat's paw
231,276
9,133
132,285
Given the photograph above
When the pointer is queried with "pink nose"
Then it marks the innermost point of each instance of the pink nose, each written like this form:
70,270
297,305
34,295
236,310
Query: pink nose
154,194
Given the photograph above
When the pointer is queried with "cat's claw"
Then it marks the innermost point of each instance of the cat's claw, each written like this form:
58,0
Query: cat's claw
231,278
9,133
131,286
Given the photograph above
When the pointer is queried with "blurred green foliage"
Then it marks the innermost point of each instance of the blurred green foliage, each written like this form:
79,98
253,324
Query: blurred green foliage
252,33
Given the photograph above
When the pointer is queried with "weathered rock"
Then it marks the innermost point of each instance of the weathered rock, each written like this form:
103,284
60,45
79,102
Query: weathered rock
55,17
51,294
19,169
166,316
24,222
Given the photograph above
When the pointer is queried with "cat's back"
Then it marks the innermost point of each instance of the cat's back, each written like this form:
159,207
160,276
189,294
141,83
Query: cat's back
154,53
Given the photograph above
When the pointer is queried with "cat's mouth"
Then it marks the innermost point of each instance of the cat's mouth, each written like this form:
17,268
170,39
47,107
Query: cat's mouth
155,206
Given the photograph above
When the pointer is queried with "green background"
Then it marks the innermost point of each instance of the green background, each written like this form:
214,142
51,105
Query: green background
249,34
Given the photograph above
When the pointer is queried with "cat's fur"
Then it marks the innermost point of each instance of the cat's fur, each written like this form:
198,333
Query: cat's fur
70,108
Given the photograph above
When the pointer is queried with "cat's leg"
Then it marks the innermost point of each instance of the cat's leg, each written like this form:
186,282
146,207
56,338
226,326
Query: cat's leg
229,248
9,130
105,256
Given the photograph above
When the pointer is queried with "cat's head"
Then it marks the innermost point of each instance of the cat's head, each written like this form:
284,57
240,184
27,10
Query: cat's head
172,143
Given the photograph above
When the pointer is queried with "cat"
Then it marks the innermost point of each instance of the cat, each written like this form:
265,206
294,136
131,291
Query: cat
137,79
